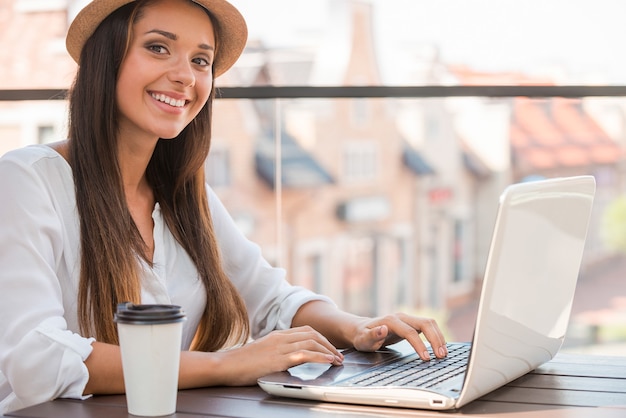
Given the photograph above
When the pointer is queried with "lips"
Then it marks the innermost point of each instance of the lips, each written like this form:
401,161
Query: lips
168,100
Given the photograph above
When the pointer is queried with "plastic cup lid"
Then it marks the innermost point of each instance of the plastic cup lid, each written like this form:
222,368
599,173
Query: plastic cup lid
129,313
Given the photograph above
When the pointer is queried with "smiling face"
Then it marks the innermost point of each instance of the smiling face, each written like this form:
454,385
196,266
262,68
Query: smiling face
166,76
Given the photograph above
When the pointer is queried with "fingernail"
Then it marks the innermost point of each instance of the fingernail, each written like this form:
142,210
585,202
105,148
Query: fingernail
425,355
379,331
442,352
339,360
330,358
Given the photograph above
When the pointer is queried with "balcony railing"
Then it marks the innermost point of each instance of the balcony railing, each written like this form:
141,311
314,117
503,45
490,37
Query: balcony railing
299,92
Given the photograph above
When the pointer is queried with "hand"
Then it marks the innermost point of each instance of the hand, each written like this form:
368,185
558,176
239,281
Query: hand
373,334
278,351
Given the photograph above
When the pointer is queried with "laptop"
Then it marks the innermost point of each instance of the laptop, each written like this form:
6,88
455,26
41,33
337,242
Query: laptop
524,309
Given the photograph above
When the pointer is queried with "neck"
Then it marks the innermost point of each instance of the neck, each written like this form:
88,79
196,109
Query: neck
133,157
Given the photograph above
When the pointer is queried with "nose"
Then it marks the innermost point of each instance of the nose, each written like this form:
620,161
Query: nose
182,73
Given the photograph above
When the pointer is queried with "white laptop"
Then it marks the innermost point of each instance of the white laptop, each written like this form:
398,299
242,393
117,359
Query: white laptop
525,304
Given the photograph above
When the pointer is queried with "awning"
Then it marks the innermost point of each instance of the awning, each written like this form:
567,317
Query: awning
414,160
299,168
474,165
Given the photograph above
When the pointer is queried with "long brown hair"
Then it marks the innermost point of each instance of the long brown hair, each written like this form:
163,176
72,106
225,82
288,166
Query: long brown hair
110,241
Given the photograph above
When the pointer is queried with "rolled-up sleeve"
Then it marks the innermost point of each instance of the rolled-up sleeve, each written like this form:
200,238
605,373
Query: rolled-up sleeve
270,299
40,359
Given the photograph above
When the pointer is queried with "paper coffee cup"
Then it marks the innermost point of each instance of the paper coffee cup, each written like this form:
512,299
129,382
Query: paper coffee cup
150,342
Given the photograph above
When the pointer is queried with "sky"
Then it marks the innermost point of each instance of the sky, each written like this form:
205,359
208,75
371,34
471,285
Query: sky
581,38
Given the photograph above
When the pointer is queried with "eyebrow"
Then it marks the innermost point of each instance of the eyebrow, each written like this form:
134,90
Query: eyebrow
174,37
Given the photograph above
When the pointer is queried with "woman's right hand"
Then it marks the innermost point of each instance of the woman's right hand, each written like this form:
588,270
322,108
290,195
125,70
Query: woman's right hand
275,352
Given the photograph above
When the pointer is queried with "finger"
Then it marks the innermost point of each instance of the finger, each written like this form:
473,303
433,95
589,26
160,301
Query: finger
412,334
409,328
307,332
433,334
309,350
306,336
299,334
403,330
305,356
431,331
374,338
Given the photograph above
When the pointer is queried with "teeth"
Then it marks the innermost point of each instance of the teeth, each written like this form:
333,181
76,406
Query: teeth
165,99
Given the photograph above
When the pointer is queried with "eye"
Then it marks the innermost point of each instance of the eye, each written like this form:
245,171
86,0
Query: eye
202,61
157,49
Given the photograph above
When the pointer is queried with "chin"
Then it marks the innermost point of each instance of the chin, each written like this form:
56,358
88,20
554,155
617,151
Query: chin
169,135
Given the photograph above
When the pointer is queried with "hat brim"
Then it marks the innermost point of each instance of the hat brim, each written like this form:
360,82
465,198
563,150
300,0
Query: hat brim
231,29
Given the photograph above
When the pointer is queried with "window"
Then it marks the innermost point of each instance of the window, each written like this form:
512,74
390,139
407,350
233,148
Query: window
217,168
360,161
27,6
45,134
314,273
458,256
360,111
359,287
10,138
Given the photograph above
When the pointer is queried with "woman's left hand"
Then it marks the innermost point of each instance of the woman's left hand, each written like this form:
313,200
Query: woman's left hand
373,334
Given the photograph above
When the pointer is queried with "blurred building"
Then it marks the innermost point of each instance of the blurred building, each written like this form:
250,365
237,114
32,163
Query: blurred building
391,215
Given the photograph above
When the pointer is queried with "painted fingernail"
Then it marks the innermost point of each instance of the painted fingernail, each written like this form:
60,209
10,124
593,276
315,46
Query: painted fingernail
425,355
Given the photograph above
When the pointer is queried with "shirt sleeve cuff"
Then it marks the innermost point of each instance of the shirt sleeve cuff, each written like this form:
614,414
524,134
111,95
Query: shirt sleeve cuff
290,305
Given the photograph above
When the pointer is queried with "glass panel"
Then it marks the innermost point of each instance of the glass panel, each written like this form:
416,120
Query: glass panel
414,234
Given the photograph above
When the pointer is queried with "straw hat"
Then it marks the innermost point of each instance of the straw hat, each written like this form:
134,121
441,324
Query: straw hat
231,29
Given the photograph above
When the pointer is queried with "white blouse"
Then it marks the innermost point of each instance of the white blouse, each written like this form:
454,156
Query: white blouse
41,352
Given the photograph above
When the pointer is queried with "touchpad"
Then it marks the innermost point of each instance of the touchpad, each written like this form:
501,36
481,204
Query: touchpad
369,358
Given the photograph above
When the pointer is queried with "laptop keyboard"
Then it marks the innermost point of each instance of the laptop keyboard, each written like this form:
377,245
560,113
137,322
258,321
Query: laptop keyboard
411,371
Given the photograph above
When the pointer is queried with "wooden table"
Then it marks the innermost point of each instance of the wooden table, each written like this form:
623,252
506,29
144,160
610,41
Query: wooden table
572,386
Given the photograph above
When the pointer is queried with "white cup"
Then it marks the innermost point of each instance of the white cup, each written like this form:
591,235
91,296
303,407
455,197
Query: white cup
150,341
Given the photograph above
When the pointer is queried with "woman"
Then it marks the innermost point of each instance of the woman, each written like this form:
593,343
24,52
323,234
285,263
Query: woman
121,212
